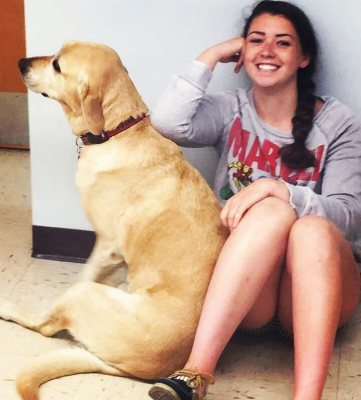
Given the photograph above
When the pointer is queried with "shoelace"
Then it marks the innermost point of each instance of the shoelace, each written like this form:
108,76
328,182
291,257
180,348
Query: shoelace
195,380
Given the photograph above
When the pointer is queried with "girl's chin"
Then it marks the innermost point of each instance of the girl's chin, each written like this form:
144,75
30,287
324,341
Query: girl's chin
271,82
265,83
264,78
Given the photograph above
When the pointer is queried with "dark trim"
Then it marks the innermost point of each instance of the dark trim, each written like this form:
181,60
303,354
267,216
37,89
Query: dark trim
62,244
11,146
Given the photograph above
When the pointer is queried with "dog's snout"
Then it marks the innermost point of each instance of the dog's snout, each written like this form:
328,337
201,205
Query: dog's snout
24,64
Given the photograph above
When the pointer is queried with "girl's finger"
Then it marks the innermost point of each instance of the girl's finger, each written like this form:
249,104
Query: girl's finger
239,63
237,218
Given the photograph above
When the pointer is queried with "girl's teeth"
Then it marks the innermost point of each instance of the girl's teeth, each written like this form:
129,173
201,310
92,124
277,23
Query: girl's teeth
267,67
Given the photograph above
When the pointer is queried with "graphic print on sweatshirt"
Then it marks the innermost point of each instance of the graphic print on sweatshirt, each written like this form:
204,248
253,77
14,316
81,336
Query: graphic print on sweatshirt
251,158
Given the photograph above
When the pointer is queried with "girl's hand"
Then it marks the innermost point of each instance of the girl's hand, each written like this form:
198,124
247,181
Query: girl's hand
228,51
241,202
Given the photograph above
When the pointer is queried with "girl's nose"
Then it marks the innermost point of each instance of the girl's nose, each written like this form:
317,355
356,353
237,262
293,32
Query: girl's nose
267,49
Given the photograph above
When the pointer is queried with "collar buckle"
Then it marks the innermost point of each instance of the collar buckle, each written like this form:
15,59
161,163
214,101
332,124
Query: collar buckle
104,136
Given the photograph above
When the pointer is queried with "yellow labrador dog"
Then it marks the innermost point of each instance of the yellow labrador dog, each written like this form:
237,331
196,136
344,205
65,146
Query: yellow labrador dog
151,211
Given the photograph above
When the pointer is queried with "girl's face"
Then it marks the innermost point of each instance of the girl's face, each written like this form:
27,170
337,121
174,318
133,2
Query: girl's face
272,52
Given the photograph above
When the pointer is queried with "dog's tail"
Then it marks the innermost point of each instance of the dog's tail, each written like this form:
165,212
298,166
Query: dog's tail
56,364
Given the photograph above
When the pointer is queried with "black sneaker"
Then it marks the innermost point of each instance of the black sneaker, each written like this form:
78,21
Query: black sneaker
182,385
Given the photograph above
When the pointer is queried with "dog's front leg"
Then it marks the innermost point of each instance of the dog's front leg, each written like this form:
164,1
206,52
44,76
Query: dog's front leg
102,264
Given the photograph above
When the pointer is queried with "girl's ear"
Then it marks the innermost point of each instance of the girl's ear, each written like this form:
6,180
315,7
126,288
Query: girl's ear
305,61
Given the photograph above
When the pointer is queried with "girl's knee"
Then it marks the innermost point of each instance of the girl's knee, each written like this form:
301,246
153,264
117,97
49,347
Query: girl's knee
315,244
272,209
313,231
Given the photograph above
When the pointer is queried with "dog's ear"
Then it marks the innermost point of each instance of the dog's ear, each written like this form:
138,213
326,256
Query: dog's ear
91,107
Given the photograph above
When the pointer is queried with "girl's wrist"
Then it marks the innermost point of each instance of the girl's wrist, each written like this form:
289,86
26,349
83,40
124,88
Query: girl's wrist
209,57
279,189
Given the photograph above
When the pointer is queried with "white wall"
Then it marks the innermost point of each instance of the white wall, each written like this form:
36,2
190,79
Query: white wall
156,39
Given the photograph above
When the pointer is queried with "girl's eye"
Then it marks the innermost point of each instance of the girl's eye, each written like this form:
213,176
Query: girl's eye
56,66
255,40
284,43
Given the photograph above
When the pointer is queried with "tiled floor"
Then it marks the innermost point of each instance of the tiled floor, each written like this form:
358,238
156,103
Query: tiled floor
251,368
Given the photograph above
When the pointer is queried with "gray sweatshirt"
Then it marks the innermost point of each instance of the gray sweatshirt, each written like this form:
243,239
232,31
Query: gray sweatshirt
249,148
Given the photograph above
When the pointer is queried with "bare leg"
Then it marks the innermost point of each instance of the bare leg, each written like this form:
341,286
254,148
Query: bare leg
253,253
323,278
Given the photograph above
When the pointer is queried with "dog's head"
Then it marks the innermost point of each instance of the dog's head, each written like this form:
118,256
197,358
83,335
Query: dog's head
89,81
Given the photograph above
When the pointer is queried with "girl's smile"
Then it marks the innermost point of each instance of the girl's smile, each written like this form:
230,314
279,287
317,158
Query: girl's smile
272,52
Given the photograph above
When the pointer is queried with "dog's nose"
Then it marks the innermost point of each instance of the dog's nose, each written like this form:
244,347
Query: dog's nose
24,64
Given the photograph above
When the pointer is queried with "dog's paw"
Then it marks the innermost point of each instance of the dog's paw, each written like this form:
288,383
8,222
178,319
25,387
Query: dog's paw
8,310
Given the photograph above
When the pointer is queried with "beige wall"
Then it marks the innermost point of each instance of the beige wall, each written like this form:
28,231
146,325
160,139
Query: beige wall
157,39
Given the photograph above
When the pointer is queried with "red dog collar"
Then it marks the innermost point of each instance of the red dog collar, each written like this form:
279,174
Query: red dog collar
90,138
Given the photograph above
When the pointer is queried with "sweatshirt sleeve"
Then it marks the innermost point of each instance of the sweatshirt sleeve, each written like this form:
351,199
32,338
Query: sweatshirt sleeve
185,114
340,198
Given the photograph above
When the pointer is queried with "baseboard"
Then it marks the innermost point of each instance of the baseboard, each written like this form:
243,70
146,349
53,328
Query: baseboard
61,244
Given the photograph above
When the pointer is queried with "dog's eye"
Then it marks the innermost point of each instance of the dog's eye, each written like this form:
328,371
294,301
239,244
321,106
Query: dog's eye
56,66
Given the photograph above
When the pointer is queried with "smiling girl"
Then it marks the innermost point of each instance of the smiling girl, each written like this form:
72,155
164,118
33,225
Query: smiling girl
290,180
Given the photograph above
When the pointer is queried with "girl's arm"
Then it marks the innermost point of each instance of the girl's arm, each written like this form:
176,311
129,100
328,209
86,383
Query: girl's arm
340,198
184,113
